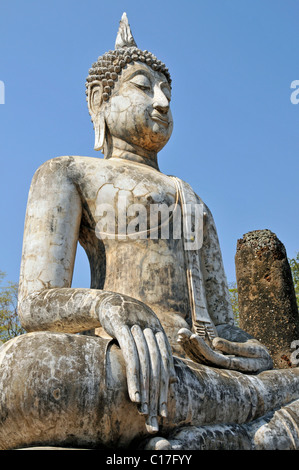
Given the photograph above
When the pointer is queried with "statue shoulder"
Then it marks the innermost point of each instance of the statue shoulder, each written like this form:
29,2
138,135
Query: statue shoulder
53,166
66,166
54,176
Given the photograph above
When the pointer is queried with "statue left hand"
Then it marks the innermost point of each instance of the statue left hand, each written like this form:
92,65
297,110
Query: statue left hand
250,356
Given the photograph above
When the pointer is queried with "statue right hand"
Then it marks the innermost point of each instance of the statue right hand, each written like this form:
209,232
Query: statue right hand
249,356
146,351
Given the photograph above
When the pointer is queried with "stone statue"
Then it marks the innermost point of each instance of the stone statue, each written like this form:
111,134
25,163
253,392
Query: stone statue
158,362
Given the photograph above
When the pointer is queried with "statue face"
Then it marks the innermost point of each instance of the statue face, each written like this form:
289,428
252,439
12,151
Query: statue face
138,112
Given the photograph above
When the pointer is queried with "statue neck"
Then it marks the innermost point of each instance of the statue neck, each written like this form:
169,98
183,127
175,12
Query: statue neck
125,151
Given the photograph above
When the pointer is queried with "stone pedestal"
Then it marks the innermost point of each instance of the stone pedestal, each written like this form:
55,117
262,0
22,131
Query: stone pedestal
267,301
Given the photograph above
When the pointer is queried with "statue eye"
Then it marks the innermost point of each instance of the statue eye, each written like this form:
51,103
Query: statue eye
142,82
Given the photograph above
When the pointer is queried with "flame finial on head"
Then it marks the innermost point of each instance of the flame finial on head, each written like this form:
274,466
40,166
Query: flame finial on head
124,36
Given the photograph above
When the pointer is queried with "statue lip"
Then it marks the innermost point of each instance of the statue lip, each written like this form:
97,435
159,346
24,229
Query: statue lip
158,117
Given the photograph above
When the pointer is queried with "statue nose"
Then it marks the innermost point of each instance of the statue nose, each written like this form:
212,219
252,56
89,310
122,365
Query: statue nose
161,103
163,109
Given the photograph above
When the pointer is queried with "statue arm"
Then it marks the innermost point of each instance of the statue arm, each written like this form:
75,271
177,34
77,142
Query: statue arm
233,348
53,216
216,286
215,281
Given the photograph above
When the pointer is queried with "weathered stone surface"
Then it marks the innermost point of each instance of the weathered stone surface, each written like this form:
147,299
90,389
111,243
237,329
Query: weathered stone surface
267,301
278,430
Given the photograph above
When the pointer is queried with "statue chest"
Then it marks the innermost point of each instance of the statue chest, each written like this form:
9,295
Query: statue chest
129,202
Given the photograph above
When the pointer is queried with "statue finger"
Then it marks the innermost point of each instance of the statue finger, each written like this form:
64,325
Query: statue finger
249,364
185,333
202,349
155,360
129,351
164,373
143,354
172,373
250,348
190,348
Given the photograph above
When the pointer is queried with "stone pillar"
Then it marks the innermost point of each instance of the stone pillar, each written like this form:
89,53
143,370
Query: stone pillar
267,302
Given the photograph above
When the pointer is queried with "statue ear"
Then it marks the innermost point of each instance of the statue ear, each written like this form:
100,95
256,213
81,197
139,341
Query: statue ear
95,105
100,131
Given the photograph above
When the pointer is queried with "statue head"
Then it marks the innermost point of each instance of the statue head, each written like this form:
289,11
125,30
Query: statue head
128,94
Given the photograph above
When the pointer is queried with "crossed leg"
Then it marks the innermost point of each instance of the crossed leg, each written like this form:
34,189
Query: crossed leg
70,390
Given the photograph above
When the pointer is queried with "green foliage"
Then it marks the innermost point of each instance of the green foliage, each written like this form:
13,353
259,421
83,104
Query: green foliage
9,321
294,264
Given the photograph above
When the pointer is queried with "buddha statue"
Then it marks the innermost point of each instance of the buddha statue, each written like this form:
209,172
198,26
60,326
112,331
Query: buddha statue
149,355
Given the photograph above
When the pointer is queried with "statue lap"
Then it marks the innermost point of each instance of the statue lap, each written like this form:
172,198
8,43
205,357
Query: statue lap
70,390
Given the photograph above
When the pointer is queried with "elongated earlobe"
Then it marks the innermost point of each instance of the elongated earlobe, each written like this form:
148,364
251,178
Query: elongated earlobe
95,106
100,130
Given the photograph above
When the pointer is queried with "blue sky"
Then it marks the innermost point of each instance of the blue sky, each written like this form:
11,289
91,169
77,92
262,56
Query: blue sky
236,132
